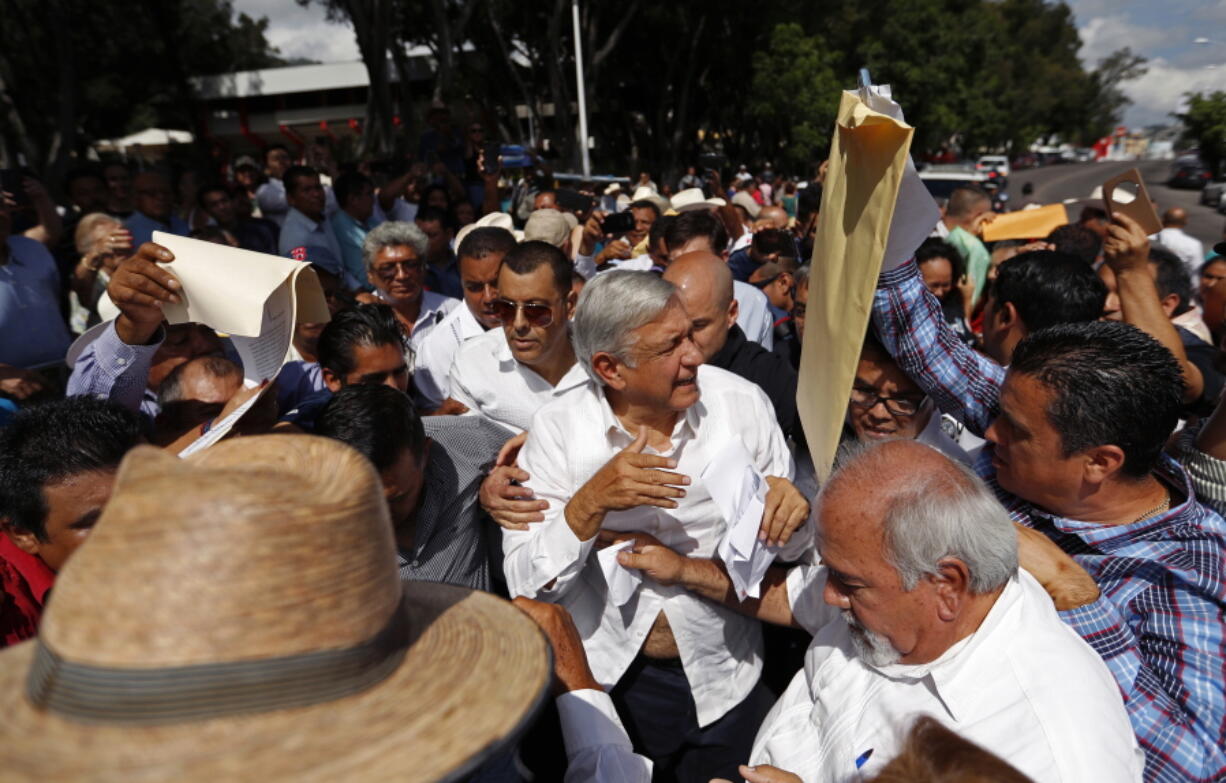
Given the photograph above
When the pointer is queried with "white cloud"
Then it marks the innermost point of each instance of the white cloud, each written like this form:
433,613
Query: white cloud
303,32
1161,90
1103,35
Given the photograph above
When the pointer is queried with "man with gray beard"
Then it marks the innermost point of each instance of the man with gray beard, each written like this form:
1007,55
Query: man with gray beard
918,608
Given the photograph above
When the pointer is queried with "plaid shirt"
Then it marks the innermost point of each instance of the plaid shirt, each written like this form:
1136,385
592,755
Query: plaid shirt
1159,622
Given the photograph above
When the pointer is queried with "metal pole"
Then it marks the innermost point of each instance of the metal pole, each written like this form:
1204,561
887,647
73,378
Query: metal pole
587,162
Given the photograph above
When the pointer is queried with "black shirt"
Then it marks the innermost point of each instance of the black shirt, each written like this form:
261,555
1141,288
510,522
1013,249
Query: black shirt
770,371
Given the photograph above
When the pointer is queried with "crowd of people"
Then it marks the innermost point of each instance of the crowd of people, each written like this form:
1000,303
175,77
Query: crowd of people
1015,571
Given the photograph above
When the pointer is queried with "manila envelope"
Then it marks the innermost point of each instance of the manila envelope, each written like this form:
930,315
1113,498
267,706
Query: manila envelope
864,220
1026,223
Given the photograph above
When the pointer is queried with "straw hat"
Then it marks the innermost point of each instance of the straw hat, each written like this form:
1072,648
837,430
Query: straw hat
239,616
693,198
743,199
492,220
645,193
547,225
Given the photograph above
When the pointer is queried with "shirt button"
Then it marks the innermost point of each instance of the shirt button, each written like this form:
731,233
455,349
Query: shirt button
121,361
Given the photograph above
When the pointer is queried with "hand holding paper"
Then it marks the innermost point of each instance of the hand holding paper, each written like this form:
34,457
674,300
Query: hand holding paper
740,492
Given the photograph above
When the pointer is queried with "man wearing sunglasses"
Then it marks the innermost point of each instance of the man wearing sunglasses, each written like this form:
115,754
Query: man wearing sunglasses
507,374
395,255
886,404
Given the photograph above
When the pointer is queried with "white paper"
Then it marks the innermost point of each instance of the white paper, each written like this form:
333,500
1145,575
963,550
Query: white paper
915,211
263,356
740,493
622,581
222,427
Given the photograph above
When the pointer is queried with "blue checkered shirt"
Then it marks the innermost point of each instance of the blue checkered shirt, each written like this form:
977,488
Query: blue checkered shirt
1159,621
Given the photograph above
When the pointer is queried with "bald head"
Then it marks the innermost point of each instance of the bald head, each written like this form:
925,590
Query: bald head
704,285
921,507
1175,217
777,216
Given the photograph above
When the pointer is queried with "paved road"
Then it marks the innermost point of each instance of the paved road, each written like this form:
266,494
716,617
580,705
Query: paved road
1078,180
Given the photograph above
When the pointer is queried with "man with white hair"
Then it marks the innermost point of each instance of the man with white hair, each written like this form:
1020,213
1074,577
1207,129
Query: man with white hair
395,256
625,451
918,607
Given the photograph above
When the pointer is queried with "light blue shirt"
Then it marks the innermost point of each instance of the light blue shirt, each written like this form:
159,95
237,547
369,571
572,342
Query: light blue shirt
32,328
350,234
142,227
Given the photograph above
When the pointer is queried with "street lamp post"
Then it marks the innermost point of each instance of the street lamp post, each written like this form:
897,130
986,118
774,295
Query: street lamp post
587,162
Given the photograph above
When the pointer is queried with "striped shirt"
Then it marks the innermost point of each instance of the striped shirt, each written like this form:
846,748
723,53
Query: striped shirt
1159,622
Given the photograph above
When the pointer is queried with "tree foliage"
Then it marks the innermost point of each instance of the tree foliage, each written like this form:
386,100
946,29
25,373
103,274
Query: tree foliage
74,71
1204,124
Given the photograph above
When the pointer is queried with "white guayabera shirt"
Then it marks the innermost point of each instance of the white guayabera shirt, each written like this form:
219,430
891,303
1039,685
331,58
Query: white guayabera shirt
572,438
1024,686
488,379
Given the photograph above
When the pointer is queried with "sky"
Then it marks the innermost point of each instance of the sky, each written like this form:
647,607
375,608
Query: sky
1163,32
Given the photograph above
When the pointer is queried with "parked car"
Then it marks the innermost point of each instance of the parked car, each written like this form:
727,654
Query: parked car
1189,172
941,180
1083,155
1211,194
997,163
1027,160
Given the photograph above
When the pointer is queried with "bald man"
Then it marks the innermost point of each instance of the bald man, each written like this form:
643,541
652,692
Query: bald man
772,217
704,284
1189,249
154,209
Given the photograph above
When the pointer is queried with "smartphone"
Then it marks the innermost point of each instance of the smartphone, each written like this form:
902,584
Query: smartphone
618,222
492,153
574,201
10,180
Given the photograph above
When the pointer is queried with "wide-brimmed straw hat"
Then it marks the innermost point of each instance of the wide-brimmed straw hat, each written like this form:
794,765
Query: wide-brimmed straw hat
239,616
693,199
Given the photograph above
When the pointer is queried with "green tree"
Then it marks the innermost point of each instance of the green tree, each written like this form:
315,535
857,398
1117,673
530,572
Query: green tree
74,71
1204,123
793,97
1106,102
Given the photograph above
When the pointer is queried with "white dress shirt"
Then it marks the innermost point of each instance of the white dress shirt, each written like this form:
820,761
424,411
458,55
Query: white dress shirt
572,438
1024,686
598,750
434,310
754,314
487,378
432,370
1189,249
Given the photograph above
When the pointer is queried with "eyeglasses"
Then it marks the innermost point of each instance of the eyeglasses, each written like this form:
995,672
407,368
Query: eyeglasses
388,271
535,313
897,406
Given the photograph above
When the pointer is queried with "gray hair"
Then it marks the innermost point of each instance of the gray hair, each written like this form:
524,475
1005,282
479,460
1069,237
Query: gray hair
610,308
393,233
801,276
931,515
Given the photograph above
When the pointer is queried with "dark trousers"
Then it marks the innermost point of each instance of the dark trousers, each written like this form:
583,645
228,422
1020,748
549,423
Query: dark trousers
654,700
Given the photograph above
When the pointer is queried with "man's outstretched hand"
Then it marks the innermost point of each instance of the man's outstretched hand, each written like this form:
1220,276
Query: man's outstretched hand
140,288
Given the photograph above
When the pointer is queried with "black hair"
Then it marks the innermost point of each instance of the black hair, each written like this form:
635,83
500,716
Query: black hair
295,173
215,234
82,172
435,215
658,229
481,242
54,441
272,148
1077,241
774,241
526,257
362,324
693,224
1172,277
349,184
378,421
426,191
934,247
1089,213
645,204
1049,288
964,198
212,187
1111,384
